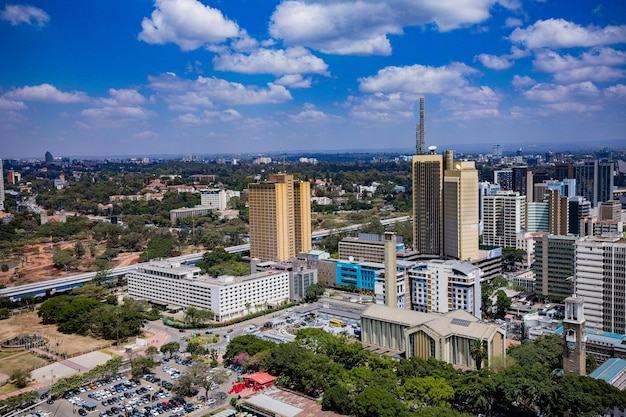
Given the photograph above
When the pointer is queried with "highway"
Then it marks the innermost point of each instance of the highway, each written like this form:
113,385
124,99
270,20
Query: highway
64,284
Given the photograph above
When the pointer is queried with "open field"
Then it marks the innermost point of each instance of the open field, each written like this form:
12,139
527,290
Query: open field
10,361
69,344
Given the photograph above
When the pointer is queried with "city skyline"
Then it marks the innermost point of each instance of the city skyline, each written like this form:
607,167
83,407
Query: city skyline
184,76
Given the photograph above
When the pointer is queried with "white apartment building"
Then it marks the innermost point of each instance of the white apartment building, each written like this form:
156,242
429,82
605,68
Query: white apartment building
442,286
170,283
215,199
601,280
504,217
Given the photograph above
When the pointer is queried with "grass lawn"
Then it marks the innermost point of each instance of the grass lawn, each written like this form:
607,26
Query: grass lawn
5,389
10,361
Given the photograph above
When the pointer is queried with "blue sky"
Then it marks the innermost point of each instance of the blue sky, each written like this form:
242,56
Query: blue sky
146,77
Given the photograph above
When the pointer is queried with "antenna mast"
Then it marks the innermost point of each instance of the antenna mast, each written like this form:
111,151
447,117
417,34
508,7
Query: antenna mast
420,148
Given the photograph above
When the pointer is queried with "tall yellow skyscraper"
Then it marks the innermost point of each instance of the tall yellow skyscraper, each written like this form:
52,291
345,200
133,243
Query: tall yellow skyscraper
460,209
280,218
427,203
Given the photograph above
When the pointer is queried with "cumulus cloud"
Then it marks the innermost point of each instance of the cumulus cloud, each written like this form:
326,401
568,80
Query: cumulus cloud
6,104
294,81
46,93
419,79
615,91
494,62
146,134
559,33
522,81
188,24
595,65
210,117
295,60
311,115
360,27
383,108
554,93
512,22
190,95
17,13
117,114
123,97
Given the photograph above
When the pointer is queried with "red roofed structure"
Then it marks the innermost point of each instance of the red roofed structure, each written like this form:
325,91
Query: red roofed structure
251,383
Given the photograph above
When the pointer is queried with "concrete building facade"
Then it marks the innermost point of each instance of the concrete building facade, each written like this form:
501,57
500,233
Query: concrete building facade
504,218
460,211
427,204
601,281
280,218
171,283
554,265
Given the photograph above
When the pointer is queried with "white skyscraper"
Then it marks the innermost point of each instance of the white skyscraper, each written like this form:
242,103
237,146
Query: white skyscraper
504,217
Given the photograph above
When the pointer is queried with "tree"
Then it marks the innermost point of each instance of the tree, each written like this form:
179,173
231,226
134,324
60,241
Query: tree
376,402
171,348
545,350
151,352
64,259
212,377
79,250
338,399
141,365
503,303
195,316
314,292
478,352
427,391
20,377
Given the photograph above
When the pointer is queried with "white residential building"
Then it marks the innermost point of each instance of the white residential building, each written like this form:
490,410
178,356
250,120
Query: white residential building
442,286
215,199
504,217
601,279
170,283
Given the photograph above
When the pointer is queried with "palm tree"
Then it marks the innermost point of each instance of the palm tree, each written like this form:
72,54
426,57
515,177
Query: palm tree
478,352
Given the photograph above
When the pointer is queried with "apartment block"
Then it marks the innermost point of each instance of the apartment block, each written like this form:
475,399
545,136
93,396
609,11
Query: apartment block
504,218
554,265
442,286
460,210
601,280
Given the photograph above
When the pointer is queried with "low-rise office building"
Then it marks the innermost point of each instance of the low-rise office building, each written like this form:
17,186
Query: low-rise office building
171,283
446,337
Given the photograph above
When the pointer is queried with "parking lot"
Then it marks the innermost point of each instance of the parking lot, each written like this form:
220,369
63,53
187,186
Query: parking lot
148,396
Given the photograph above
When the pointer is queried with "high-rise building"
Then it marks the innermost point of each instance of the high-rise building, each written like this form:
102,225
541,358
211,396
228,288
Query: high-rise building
594,181
563,171
48,157
520,179
537,217
557,212
442,286
504,218
460,210
280,218
554,265
1,186
427,204
578,208
497,151
611,210
504,178
420,139
213,198
484,188
601,281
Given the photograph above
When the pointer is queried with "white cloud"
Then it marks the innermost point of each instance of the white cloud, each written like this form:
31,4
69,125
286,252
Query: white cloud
512,22
494,62
187,23
295,60
123,97
615,91
17,13
573,107
522,81
360,27
418,79
209,117
6,104
119,114
46,93
559,33
310,115
596,65
554,93
383,108
190,95
294,81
